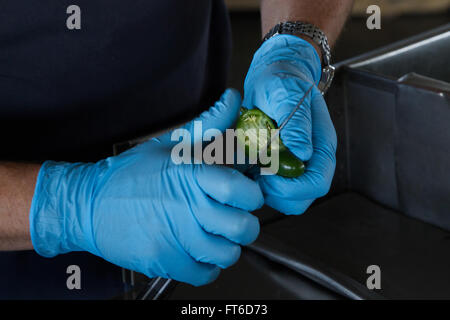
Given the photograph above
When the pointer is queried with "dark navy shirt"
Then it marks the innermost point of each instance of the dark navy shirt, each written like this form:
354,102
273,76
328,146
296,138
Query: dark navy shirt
134,67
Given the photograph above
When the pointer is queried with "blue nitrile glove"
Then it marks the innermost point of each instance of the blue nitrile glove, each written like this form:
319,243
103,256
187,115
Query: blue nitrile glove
141,211
282,70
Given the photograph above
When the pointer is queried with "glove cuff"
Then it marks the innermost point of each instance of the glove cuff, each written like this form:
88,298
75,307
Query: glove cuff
60,215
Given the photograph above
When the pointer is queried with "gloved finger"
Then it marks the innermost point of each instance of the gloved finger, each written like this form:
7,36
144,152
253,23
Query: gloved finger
209,248
220,116
229,186
190,271
231,223
316,180
288,207
283,93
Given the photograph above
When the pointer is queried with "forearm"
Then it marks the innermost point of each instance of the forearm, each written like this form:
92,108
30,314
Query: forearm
328,15
17,182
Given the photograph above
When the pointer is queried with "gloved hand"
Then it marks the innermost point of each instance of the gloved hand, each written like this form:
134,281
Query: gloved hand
141,211
282,70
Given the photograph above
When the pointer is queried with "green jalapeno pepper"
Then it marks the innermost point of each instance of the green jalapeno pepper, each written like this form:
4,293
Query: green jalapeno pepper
289,165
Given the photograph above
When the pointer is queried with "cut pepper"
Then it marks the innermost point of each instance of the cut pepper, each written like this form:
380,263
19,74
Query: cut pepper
289,165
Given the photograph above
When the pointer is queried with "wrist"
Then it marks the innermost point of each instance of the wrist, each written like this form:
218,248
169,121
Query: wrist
60,212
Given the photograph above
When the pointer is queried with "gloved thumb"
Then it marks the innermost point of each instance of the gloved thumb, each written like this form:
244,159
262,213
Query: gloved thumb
223,113
220,116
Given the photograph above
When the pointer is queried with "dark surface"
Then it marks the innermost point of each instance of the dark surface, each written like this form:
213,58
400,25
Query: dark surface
370,134
423,155
394,136
349,233
254,277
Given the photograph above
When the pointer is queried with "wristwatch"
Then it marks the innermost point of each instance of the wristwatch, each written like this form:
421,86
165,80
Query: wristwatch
318,37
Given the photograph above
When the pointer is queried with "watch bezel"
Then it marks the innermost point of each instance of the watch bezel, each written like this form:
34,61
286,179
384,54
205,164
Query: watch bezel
327,78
